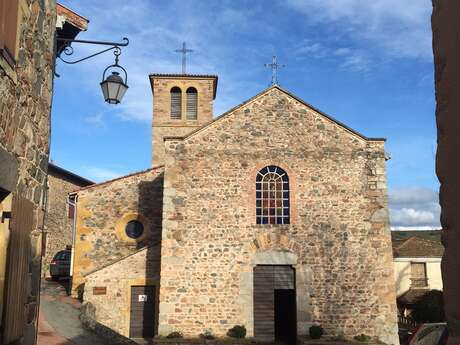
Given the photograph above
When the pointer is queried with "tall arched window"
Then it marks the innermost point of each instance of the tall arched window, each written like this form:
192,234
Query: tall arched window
272,196
192,103
176,103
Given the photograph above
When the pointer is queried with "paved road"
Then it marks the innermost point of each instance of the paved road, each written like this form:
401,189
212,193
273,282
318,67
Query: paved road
58,322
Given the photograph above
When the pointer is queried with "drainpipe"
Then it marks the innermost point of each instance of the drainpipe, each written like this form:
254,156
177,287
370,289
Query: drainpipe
72,200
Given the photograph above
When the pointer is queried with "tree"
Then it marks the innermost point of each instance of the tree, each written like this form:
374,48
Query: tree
429,307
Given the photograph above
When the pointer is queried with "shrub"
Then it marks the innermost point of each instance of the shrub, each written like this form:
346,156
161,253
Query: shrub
340,337
429,308
316,331
238,331
362,337
174,335
207,334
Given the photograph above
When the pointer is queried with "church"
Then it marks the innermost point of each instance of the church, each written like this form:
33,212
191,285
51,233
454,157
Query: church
272,216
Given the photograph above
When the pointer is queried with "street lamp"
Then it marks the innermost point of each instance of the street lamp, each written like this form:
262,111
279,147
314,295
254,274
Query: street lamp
114,86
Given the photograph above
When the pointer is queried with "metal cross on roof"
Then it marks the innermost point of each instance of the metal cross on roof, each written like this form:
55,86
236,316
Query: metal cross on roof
274,66
184,52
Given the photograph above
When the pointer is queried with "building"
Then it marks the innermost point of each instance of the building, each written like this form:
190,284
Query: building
26,83
59,214
27,56
417,262
272,216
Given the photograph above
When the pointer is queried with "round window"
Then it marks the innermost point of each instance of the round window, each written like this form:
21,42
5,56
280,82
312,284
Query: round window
134,229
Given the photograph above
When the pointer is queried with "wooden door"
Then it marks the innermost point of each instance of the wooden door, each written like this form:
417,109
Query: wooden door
142,321
267,279
264,303
17,270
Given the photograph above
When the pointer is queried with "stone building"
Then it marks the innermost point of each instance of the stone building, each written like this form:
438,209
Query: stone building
272,216
26,83
59,214
27,56
417,262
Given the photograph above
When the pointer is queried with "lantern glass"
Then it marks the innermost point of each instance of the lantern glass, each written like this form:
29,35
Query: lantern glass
113,88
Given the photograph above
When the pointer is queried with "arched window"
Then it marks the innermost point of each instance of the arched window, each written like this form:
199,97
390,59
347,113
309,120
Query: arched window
176,103
272,196
192,103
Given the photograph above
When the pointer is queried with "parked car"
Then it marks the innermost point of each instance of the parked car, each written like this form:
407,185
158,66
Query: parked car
430,334
60,265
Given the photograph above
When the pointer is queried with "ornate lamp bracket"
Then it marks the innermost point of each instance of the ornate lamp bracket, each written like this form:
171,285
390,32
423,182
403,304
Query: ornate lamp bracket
67,50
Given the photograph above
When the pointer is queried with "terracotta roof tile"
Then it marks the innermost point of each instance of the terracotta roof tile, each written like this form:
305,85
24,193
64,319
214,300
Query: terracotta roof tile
418,247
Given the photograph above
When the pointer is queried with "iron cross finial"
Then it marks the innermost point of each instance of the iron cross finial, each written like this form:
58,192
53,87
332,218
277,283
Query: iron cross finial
184,52
274,66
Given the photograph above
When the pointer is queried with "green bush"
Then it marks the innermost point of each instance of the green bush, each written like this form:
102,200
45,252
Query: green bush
207,334
429,308
238,331
362,337
316,331
174,335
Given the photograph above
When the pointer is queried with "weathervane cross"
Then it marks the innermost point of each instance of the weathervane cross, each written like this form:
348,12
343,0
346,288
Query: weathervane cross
274,66
184,52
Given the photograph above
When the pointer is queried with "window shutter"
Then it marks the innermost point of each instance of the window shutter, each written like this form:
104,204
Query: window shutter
176,101
192,104
9,14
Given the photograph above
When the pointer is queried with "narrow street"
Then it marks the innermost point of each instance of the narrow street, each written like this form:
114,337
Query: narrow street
58,322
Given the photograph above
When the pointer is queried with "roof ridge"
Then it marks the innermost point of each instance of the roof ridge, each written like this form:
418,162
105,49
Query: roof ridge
253,98
117,178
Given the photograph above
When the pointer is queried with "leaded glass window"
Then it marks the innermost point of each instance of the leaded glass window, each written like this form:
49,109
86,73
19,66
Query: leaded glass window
272,196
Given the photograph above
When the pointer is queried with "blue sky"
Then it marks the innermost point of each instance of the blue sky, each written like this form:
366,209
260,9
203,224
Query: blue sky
366,63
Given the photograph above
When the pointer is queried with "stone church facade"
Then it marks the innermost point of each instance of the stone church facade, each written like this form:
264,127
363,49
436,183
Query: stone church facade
272,216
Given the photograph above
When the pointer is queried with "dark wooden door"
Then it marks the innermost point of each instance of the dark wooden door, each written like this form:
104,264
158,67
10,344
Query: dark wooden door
17,270
267,279
142,321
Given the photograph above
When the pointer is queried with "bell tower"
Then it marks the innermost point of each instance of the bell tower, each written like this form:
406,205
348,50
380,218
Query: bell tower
182,103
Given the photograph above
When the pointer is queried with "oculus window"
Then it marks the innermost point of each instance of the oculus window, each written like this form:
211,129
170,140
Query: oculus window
134,229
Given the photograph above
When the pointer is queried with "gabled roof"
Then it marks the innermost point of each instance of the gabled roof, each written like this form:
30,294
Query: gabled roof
95,185
54,169
400,236
272,87
415,247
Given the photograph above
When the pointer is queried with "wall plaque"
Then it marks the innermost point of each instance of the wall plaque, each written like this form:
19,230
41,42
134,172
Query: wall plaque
99,290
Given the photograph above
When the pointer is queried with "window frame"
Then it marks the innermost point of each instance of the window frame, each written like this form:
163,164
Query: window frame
191,90
416,281
179,117
10,29
272,194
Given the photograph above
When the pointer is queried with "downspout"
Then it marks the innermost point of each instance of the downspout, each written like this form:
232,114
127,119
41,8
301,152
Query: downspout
72,200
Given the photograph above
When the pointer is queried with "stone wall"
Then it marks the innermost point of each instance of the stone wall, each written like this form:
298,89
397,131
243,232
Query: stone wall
103,211
338,239
113,308
58,225
162,124
25,102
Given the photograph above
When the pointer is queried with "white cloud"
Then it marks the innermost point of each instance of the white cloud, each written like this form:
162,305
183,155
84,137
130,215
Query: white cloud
101,174
414,207
397,28
402,228
96,120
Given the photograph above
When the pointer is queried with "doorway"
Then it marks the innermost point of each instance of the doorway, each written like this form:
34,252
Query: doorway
142,318
285,312
275,316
